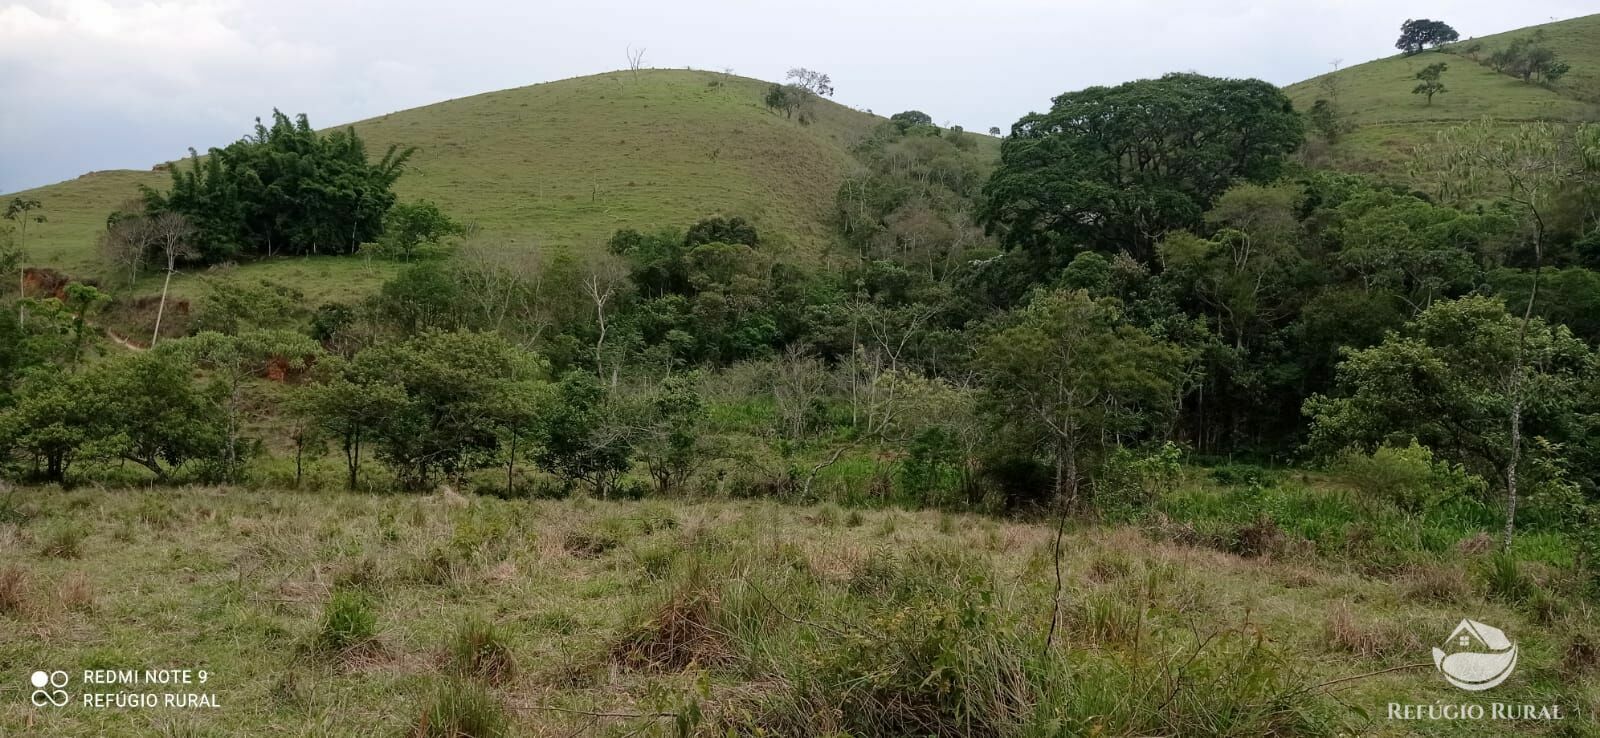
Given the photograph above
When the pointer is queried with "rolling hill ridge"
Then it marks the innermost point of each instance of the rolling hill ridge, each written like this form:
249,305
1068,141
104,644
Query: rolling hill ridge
566,164
1387,121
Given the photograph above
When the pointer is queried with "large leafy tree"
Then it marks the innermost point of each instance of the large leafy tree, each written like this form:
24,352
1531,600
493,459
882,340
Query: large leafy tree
1420,33
450,405
1072,376
1463,378
1114,168
286,189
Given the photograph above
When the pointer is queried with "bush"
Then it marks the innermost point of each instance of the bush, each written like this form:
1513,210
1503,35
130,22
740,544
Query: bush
480,652
460,709
1130,480
63,541
1243,475
1408,477
348,622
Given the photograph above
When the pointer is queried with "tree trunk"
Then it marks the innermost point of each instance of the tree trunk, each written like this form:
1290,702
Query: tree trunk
511,466
1511,465
161,308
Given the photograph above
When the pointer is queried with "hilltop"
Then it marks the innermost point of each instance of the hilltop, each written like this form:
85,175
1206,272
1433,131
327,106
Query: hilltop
561,164
1388,121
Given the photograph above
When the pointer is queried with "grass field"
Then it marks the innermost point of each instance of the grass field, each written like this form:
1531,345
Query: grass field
368,614
1389,121
558,164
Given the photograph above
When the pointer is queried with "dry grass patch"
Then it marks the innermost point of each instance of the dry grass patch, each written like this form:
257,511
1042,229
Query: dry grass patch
76,592
13,590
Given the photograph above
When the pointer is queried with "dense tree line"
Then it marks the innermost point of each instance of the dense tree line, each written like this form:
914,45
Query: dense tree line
1144,267
286,189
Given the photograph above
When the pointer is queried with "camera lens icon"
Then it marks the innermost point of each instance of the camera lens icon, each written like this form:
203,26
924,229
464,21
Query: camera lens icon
47,688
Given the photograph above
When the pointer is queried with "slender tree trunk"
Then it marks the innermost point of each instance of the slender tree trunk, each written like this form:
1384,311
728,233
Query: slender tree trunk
511,465
1517,382
161,308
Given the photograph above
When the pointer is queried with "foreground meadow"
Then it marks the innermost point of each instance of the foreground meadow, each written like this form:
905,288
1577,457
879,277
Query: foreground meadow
361,614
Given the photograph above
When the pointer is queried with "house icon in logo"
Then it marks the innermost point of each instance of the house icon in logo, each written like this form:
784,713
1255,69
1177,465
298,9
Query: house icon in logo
1479,656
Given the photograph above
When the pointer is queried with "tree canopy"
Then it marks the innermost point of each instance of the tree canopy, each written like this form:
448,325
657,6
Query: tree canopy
286,189
1114,168
1419,34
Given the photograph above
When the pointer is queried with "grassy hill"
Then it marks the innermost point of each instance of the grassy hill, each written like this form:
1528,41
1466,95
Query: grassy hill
1389,120
558,164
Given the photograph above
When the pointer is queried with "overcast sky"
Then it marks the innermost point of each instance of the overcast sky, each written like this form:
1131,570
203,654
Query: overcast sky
104,84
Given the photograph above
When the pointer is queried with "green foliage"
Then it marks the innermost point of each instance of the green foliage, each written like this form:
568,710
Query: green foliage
286,189
144,408
1109,168
1429,83
1407,476
1130,480
461,709
479,651
234,306
348,622
1419,34
436,399
1450,379
671,434
1528,58
1071,373
413,230
580,438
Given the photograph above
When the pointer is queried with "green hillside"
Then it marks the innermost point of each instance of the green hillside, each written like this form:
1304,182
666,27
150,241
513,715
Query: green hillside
560,164
1388,120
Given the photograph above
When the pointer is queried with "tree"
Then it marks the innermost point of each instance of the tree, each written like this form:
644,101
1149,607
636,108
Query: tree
23,211
671,441
910,119
1467,379
172,235
230,361
995,131
1528,59
351,407
412,227
1071,374
1416,35
580,438
81,300
1414,249
128,240
156,415
448,414
779,97
285,189
811,81
55,421
1114,168
1429,84
635,60
1528,168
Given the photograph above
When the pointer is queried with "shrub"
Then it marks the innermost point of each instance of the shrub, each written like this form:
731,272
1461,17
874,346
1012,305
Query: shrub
1130,480
63,541
1504,578
1243,475
461,709
1408,477
479,651
348,622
